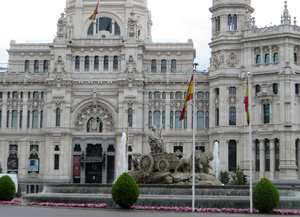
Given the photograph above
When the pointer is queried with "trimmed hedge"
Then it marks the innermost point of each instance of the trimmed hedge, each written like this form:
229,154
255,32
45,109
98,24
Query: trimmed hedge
125,192
265,196
7,189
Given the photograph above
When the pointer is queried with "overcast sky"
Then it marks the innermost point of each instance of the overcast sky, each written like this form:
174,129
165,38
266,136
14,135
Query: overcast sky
31,20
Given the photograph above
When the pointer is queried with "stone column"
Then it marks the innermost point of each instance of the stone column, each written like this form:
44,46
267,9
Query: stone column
82,64
39,118
167,111
92,64
113,27
18,120
101,64
272,158
30,119
262,159
110,64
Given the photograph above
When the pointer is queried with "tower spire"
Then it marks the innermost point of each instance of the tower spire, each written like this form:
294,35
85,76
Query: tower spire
285,18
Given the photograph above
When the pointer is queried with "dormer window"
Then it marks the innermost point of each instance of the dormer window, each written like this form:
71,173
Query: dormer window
232,22
104,24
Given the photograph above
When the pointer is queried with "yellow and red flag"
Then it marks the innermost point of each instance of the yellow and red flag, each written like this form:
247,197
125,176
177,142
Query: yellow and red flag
188,96
93,17
246,101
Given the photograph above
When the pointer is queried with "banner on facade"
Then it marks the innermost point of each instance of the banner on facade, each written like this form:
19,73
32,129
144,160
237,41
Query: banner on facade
33,165
12,164
76,165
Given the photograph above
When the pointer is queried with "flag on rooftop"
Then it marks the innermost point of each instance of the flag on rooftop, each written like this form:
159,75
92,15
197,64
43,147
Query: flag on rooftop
188,96
93,17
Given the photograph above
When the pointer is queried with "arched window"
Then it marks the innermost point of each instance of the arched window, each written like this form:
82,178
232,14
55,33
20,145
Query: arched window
232,116
36,94
267,155
96,62
232,22
258,59
232,90
163,65
171,95
94,124
45,66
207,120
163,95
257,155
26,65
217,24
35,119
77,62
129,119
217,116
15,94
277,154
295,58
178,95
156,121
105,65
257,89
150,95
153,66
207,95
115,64
200,120
156,95
86,62
14,119
276,58
200,95
57,120
266,113
231,155
173,65
275,88
104,24
267,58
36,66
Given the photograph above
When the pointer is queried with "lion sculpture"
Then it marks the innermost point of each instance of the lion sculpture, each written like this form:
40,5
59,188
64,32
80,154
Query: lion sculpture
202,160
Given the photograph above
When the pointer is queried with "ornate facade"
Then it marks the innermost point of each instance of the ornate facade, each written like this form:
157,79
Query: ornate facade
65,105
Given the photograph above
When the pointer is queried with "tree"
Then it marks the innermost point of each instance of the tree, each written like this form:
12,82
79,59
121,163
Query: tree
237,176
0,168
224,177
7,189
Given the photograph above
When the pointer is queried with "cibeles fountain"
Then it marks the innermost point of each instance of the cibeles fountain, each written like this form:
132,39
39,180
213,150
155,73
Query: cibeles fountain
161,167
165,179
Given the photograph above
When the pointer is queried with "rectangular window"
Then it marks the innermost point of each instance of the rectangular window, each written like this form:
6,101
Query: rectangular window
173,66
28,119
35,119
156,121
115,63
267,155
96,62
7,119
232,90
0,118
156,95
14,119
266,113
207,120
57,117
56,162
257,159
153,66
150,119
200,120
110,169
77,62
41,121
45,68
163,120
178,124
86,62
231,155
276,58
21,117
171,120
163,66
129,117
185,121
258,59
105,63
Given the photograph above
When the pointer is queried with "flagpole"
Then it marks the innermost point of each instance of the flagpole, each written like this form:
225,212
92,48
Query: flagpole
250,140
194,126
127,141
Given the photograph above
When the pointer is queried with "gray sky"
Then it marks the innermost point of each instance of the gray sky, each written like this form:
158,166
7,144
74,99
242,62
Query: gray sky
34,20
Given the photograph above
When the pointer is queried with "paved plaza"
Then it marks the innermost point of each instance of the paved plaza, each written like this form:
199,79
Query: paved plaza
7,210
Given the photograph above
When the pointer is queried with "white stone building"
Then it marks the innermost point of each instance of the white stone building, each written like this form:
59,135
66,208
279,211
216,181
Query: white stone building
65,105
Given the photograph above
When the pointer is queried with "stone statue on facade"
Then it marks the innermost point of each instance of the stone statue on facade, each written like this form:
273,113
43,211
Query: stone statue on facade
61,26
132,25
157,145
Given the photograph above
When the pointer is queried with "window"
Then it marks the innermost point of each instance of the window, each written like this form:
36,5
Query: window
28,119
149,119
8,94
0,118
231,155
276,58
185,120
163,65
115,63
207,120
14,119
232,116
257,89
217,116
150,95
266,113
173,65
295,58
296,153
35,119
36,66
86,62
200,95
163,119
15,94
41,121
275,88
267,58
171,120
45,67
296,88
29,95
1,94
277,154
104,24
207,95
217,92
200,120
171,95
129,117
21,117
267,155
96,62
232,90
163,95
156,95
105,62
57,117
257,156
178,124
7,119
217,24
36,94
232,22
26,65
258,59
178,95
56,162
42,95
156,120
153,66
77,62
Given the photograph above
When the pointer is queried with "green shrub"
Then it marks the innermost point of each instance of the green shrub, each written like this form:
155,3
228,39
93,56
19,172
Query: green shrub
0,169
265,196
125,192
206,170
7,189
224,177
237,176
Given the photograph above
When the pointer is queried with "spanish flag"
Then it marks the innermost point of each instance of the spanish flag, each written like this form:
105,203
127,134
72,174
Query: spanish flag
93,17
246,101
188,96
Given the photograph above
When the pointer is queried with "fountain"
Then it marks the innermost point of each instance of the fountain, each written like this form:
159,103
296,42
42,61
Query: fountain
216,159
121,158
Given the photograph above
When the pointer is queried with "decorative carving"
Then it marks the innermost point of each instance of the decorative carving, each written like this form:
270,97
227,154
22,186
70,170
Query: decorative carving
232,60
232,99
266,49
216,61
247,23
59,66
157,104
130,68
35,103
14,103
257,50
132,25
61,26
265,90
